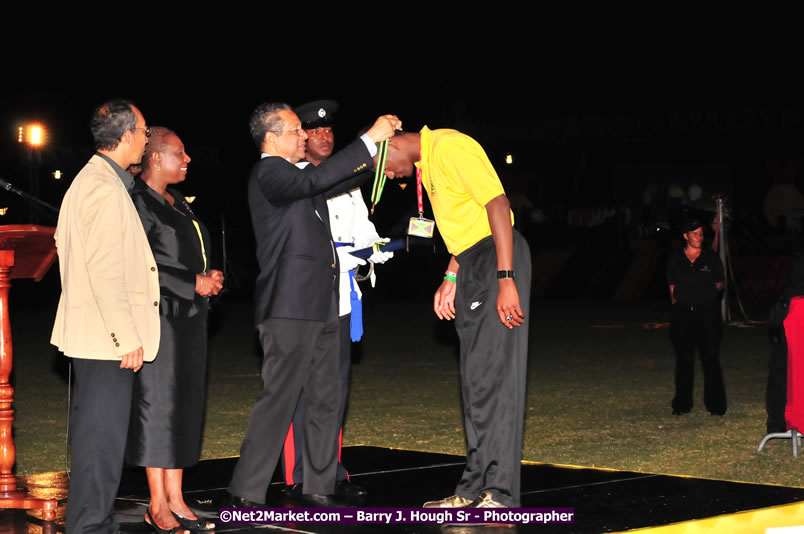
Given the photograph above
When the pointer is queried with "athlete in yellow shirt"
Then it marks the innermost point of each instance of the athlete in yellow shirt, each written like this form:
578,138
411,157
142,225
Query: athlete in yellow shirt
489,269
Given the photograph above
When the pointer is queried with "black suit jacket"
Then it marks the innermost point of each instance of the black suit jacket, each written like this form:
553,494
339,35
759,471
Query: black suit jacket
177,248
298,264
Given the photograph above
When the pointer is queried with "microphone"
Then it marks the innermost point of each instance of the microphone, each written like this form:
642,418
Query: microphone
8,187
39,204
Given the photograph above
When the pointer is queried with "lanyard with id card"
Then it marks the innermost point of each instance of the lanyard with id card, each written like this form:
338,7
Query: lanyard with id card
418,226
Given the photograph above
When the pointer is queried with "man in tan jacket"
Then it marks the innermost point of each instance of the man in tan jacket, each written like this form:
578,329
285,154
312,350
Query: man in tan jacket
108,315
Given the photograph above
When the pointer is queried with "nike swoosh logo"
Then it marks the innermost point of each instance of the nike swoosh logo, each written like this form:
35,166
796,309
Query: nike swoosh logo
475,304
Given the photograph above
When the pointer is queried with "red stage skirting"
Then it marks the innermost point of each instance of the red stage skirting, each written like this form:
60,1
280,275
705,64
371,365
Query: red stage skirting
794,331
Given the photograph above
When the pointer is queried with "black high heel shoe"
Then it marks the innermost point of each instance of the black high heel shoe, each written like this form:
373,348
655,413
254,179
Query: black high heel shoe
194,524
151,522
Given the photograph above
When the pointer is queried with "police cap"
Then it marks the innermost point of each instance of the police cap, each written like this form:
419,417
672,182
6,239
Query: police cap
317,114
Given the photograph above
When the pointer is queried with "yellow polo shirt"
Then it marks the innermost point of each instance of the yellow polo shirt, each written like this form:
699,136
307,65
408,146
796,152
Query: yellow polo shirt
460,181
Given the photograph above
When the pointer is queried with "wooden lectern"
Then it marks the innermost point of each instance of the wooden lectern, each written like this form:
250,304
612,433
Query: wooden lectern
26,251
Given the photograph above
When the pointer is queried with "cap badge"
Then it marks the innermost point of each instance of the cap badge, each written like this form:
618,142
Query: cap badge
322,113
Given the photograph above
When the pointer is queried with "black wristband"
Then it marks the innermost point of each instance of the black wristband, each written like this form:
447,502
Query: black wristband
504,274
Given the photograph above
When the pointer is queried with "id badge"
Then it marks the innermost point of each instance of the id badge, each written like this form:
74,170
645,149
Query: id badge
421,227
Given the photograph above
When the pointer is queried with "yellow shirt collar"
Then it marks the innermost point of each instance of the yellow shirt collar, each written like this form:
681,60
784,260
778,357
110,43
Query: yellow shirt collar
424,148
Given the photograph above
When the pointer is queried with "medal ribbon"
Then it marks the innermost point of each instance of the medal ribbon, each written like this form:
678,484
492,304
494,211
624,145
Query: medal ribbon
379,175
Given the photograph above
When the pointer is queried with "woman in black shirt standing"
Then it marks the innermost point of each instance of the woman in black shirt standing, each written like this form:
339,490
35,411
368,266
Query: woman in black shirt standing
695,275
167,413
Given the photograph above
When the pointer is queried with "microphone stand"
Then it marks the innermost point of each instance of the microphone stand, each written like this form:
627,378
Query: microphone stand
43,207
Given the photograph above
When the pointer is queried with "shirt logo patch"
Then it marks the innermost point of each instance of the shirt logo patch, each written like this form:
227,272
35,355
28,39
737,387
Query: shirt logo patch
475,304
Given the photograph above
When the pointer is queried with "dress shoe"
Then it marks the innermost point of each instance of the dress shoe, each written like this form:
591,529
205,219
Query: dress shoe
239,502
347,488
677,411
319,500
294,491
456,501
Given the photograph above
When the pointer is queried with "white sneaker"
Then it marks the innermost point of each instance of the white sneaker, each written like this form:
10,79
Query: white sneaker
485,500
456,501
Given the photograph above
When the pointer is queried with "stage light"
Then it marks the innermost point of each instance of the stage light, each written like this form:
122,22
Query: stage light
509,159
190,199
34,135
57,174
3,211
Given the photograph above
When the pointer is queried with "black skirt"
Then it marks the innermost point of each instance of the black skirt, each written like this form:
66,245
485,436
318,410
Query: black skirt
167,412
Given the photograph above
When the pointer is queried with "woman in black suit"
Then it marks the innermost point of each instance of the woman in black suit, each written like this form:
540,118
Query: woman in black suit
169,394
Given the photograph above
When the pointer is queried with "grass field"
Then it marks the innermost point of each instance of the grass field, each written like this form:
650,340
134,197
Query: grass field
599,390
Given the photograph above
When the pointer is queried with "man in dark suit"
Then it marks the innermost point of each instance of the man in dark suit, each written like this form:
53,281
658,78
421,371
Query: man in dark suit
351,230
296,300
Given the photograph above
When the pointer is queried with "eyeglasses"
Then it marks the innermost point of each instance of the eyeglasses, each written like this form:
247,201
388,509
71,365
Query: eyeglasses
297,131
147,130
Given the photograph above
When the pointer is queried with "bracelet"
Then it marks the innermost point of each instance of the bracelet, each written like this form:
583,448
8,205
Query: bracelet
451,273
451,277
504,274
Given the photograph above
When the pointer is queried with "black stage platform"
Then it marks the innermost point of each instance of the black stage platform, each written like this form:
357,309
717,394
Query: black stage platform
603,500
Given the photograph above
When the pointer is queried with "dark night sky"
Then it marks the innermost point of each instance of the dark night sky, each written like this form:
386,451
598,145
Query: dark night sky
201,78
203,83
202,75
206,93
